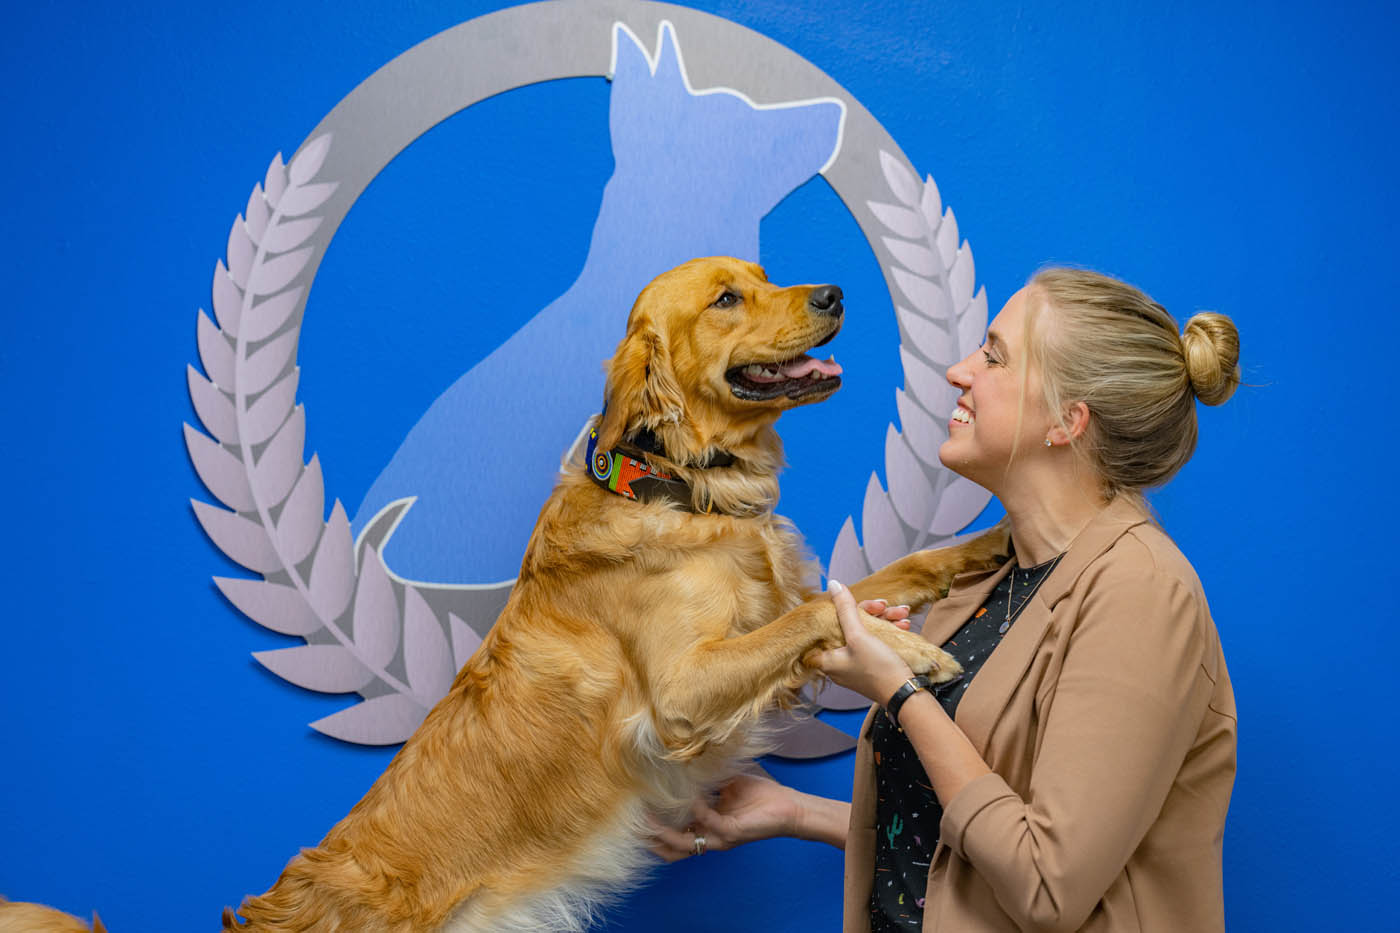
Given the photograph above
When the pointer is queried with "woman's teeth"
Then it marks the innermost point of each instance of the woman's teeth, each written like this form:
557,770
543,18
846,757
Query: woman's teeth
962,414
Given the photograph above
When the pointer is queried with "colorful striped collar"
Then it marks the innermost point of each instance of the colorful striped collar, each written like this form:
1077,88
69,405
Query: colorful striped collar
628,474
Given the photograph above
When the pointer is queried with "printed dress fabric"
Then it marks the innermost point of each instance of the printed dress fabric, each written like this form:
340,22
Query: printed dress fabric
907,813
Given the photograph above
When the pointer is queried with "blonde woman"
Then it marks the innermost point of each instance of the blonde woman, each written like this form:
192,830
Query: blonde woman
1076,776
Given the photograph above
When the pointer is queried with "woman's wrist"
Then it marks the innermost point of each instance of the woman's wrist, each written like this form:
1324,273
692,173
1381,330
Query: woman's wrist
821,819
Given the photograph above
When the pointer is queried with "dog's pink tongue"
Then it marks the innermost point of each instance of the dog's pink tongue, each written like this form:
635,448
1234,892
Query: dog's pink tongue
804,366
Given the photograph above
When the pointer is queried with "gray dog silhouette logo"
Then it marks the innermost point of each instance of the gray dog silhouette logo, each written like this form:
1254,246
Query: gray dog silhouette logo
695,173
392,603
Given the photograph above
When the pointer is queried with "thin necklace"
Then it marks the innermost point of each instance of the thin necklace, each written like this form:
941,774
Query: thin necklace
1011,590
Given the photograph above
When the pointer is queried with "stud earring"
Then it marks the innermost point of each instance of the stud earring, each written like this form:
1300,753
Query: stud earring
1047,442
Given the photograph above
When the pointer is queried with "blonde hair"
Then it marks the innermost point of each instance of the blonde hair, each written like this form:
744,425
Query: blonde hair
1105,343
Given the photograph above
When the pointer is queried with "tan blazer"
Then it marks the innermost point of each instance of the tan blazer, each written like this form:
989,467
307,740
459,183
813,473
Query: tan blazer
1107,718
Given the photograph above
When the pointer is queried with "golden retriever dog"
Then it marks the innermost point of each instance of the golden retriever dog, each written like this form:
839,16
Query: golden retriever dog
19,917
659,611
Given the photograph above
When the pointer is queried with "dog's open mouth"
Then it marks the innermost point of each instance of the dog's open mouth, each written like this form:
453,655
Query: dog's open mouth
796,378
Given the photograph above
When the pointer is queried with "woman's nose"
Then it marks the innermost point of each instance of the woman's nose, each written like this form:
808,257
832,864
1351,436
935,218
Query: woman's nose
959,374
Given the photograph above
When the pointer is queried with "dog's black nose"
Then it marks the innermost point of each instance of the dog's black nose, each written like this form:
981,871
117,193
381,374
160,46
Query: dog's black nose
826,299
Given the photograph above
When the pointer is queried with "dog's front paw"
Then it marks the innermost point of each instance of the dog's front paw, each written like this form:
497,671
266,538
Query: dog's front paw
923,657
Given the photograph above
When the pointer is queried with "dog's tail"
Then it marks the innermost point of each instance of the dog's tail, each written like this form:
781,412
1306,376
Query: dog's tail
19,917
311,895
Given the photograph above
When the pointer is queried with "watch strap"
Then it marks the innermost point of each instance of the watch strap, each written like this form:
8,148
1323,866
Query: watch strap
907,689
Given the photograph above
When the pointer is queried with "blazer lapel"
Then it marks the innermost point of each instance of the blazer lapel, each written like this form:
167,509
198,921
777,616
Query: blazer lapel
981,706
969,590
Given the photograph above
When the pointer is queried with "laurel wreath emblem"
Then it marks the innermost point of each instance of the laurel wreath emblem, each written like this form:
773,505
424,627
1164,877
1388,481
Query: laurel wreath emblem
398,643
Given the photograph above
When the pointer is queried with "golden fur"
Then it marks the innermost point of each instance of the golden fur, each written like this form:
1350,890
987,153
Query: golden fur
628,670
18,917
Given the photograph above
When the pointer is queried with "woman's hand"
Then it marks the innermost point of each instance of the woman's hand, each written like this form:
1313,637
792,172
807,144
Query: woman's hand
881,609
864,664
749,808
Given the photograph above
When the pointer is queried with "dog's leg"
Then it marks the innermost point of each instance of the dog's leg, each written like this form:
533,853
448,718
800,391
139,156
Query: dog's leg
721,683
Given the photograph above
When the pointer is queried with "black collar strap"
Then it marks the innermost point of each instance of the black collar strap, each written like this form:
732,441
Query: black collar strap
629,475
648,442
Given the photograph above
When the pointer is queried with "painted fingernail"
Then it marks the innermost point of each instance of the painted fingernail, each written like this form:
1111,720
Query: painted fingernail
834,586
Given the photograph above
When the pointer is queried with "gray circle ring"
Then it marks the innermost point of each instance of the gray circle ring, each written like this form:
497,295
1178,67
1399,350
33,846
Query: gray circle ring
555,39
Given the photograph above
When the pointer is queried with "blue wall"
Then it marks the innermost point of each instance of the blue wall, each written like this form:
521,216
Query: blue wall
1220,157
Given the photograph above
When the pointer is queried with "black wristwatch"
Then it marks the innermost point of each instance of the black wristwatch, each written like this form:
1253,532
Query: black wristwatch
907,689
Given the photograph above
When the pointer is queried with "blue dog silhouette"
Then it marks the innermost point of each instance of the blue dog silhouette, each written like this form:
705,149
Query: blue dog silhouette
694,173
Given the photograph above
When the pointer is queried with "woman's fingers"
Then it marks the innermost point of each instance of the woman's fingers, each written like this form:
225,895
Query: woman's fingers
846,612
672,845
865,664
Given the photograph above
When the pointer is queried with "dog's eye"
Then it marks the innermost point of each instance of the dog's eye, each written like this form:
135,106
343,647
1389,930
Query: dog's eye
727,300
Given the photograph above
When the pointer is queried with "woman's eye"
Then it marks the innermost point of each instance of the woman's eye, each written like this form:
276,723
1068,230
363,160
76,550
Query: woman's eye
991,360
727,300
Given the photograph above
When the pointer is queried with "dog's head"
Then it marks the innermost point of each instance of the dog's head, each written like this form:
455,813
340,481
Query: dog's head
714,353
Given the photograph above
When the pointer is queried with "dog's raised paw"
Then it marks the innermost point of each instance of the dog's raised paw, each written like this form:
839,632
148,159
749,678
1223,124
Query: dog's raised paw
922,656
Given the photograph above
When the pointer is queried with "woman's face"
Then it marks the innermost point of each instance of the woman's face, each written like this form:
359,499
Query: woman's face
983,430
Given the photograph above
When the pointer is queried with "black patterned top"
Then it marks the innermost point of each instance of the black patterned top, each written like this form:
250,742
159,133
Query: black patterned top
907,813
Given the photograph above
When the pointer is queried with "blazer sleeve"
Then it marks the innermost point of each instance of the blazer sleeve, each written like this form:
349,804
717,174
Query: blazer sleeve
1120,719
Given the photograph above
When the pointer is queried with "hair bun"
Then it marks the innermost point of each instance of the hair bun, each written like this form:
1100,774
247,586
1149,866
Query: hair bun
1212,347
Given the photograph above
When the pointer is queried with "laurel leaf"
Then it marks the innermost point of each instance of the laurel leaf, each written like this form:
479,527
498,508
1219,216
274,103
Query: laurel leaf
307,163
927,386
961,278
267,364
925,296
465,640
802,736
947,238
976,310
930,204
925,335
240,252
272,605
280,464
272,275
270,411
228,300
847,559
900,220
972,327
257,214
910,492
324,668
426,655
221,472
884,537
834,696
377,625
333,571
243,541
215,409
382,720
303,199
267,317
921,431
289,234
299,525
215,352
275,181
961,502
903,182
913,256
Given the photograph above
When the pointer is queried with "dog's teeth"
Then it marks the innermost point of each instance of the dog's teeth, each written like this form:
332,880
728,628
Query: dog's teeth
753,369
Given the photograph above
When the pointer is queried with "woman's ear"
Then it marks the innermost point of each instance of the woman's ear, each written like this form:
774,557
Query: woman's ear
641,389
1075,423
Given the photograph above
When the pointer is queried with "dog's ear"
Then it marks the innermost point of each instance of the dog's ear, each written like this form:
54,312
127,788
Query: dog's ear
641,391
